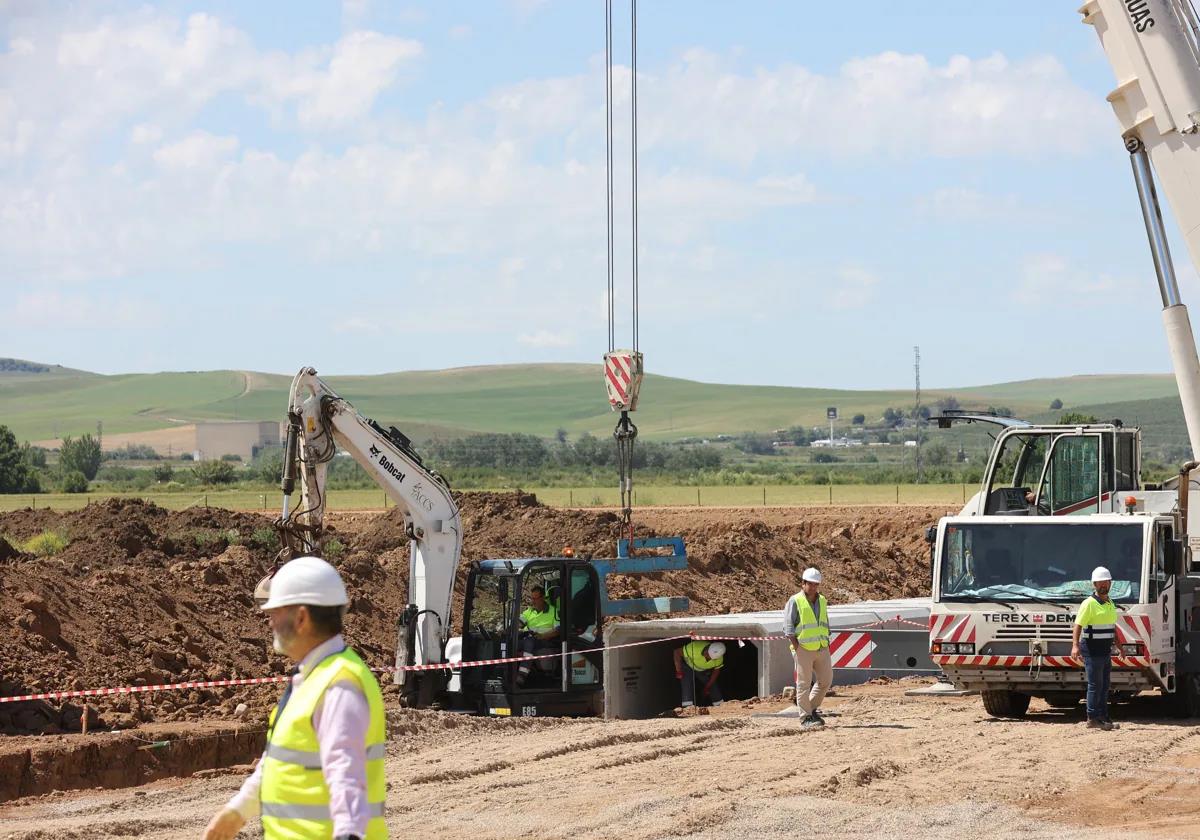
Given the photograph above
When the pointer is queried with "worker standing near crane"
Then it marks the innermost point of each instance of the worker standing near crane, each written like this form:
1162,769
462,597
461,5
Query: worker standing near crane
1096,624
806,620
321,775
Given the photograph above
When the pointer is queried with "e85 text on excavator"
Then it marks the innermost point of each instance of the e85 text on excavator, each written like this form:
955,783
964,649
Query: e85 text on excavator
547,613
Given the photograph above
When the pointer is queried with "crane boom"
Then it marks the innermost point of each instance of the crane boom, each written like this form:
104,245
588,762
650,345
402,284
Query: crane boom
319,421
1154,49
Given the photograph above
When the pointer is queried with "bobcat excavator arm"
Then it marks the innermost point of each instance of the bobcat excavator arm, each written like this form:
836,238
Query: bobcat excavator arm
319,423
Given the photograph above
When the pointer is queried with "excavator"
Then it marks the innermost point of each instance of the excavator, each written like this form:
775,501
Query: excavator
564,672
1010,569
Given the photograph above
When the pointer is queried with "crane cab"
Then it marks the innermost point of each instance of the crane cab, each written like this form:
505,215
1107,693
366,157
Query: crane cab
547,613
1055,470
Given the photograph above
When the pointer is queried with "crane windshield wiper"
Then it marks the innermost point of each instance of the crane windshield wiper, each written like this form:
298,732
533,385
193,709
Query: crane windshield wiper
979,599
1041,600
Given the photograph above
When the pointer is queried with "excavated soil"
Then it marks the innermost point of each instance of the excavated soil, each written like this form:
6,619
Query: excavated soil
142,596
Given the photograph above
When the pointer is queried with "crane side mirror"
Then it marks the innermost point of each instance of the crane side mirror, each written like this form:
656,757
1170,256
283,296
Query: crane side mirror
1174,558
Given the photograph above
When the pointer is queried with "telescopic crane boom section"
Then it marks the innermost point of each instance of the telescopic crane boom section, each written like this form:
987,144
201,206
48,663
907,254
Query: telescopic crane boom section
319,421
1154,49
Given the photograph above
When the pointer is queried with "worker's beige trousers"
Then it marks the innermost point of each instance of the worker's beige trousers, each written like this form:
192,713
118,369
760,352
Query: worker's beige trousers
810,664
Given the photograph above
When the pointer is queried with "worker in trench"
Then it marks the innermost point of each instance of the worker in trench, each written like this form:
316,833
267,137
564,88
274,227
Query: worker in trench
539,624
321,775
1096,627
806,621
694,659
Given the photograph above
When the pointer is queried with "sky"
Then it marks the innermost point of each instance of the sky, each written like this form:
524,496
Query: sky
369,187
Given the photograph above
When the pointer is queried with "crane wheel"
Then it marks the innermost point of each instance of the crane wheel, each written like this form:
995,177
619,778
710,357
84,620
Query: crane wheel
1186,699
1005,704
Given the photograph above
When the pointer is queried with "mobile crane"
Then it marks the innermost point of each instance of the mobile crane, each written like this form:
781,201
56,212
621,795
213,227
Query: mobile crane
566,677
1010,569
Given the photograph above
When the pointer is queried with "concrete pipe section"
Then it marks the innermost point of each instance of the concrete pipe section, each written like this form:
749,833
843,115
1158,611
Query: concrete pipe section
869,639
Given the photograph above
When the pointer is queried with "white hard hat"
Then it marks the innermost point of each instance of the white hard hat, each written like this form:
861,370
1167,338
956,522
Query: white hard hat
811,575
306,580
1100,573
716,650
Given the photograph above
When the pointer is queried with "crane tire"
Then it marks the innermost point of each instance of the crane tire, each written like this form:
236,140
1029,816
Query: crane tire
1005,704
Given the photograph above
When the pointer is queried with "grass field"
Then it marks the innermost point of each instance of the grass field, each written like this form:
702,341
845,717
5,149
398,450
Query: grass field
952,495
536,399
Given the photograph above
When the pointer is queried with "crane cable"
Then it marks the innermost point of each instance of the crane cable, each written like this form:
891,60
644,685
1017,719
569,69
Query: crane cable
625,432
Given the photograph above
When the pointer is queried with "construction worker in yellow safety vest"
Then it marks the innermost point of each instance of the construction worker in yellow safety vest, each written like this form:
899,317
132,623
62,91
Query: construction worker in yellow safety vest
697,658
321,776
806,621
1096,626
539,624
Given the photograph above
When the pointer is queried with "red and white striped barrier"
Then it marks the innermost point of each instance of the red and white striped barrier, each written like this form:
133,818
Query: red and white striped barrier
847,648
850,650
985,661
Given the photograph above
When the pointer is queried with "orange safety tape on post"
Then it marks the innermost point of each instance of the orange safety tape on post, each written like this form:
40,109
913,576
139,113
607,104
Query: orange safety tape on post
437,666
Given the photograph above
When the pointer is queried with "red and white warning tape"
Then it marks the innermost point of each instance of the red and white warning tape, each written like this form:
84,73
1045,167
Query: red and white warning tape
140,689
438,666
834,630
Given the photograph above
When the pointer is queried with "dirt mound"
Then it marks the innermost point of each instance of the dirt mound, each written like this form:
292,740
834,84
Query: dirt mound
142,595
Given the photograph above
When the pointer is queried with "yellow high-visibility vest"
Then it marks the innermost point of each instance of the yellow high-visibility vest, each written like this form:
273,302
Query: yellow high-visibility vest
813,628
295,799
540,622
693,655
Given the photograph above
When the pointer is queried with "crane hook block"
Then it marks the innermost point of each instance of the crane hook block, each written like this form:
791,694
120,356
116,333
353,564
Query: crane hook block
623,378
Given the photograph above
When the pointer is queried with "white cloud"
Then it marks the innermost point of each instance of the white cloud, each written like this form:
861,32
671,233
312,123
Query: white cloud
200,149
362,66
452,196
890,103
1052,277
53,309
546,338
852,288
964,204
357,325
145,133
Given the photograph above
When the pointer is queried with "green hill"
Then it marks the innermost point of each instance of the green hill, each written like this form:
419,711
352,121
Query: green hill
534,399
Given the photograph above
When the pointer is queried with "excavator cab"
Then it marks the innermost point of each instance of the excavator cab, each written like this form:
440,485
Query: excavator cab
546,613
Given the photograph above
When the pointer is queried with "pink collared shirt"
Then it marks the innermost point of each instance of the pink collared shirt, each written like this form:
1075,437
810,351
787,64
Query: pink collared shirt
341,721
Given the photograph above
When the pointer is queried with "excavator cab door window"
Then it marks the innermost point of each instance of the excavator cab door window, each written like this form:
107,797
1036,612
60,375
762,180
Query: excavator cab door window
488,609
582,618
539,625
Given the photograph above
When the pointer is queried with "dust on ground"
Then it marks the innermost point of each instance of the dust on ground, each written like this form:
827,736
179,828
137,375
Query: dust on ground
886,765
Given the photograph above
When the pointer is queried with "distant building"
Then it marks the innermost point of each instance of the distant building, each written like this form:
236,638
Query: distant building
242,438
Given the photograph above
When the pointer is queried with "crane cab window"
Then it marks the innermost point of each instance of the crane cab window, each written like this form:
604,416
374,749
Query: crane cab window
1071,481
1018,466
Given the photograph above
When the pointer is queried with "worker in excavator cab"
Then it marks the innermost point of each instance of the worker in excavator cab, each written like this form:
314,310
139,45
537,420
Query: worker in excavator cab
697,658
321,775
539,624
